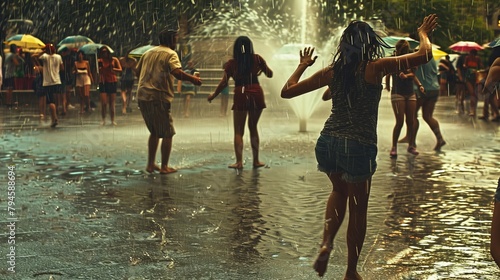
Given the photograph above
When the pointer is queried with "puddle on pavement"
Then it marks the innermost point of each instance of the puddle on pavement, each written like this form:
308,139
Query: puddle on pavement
429,216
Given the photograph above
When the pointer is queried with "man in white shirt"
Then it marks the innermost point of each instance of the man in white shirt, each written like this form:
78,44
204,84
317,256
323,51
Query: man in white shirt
52,64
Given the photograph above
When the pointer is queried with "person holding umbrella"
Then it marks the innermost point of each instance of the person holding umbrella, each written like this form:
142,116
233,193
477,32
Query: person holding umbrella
108,66
472,64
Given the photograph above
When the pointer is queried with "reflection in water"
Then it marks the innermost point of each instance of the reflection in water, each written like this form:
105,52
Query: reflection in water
445,224
429,215
249,223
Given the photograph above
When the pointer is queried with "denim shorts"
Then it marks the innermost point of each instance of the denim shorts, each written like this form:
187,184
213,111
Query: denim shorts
497,193
356,161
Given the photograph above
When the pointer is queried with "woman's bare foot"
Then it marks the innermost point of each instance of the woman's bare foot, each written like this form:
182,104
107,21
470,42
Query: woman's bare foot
167,170
322,260
237,165
258,164
439,144
151,169
352,276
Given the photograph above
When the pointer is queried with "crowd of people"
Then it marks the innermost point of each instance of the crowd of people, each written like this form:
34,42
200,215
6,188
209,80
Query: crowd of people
346,150
464,77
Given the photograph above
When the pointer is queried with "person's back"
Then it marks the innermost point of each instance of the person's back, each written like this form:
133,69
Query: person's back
428,75
354,117
155,80
128,73
128,65
51,69
251,77
460,64
346,150
472,61
10,65
156,70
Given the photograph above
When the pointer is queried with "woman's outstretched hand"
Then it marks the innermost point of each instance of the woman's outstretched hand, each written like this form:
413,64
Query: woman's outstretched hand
306,56
429,24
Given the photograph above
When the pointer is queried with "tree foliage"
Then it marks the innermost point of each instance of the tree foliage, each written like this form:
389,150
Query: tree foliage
125,24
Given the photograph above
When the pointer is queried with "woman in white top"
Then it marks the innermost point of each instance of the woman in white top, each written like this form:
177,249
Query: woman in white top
83,81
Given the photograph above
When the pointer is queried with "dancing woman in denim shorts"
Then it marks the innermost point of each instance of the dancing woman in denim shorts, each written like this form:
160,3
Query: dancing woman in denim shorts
347,147
490,86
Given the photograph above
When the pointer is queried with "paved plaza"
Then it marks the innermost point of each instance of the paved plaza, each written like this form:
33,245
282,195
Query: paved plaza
84,208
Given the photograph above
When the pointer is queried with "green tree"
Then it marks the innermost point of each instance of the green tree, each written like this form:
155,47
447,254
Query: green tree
459,20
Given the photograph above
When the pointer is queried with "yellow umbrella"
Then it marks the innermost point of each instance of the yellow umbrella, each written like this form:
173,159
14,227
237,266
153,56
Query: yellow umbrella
32,51
25,41
438,54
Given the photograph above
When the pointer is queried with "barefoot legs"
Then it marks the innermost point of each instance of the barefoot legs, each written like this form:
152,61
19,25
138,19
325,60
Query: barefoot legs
166,148
357,194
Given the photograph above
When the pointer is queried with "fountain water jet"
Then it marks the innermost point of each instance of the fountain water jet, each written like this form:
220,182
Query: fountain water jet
268,36
304,106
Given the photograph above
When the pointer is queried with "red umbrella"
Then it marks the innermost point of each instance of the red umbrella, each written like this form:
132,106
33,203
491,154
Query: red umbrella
465,46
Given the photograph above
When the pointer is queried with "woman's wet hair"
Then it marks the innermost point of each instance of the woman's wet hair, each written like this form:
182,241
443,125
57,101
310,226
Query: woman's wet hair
243,54
358,45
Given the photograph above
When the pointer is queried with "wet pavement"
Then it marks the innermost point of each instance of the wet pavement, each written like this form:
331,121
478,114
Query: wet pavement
84,207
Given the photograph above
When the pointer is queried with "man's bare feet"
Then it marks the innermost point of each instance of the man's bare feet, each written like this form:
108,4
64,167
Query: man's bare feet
151,169
352,276
237,165
258,164
321,262
167,170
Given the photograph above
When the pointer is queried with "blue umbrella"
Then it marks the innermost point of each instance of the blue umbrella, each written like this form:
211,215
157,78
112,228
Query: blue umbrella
93,48
75,41
495,43
138,52
392,40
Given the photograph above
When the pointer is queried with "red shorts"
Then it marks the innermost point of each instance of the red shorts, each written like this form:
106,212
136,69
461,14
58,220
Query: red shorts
248,97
